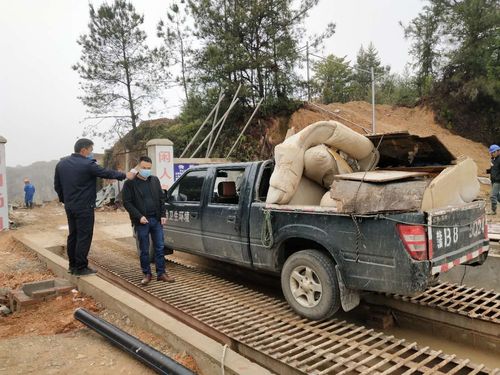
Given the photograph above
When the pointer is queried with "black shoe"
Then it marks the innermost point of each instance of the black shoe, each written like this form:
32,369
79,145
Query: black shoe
84,272
72,270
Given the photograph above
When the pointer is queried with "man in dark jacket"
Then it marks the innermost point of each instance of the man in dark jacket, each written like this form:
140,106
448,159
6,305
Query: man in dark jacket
144,200
495,177
75,184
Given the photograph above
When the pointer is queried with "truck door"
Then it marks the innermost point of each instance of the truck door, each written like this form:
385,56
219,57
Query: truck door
183,229
222,216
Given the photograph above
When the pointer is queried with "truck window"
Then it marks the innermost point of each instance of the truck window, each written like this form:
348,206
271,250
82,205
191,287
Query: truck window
227,186
190,187
264,182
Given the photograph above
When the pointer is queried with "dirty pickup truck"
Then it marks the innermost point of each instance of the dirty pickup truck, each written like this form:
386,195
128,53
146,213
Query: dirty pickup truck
325,258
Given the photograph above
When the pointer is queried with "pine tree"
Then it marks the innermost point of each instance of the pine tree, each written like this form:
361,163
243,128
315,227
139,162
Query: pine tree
176,35
424,32
332,79
365,60
465,36
116,66
255,43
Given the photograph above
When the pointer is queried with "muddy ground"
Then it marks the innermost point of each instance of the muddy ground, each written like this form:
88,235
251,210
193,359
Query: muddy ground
46,339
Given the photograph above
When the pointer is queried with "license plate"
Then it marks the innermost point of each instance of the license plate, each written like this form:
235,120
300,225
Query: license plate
456,231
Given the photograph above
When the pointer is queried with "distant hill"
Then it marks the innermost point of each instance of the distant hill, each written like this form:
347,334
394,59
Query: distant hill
41,174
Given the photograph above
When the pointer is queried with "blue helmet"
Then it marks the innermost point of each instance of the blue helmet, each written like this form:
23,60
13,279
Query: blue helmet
494,148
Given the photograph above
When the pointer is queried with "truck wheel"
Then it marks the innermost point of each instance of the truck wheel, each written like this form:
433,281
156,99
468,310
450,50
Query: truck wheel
309,283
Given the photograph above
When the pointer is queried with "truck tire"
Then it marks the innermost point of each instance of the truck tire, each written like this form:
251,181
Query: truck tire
309,283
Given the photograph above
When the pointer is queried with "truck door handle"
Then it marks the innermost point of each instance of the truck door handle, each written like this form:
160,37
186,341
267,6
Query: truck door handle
231,219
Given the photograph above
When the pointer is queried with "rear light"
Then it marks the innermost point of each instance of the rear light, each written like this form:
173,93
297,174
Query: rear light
414,240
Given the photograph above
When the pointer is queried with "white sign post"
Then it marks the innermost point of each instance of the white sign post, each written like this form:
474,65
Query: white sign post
4,203
161,151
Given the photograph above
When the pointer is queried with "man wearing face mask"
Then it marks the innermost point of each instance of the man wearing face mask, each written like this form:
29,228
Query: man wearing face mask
144,200
75,183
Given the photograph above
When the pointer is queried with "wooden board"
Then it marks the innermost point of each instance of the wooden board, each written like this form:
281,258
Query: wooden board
431,170
363,198
379,176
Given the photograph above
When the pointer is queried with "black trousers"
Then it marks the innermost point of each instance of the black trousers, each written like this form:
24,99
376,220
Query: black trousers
81,230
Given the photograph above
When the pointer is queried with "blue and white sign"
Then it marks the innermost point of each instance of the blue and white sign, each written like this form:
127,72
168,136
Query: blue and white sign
180,168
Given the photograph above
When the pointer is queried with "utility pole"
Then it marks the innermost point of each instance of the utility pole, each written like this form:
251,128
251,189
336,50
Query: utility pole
244,128
308,82
213,124
373,100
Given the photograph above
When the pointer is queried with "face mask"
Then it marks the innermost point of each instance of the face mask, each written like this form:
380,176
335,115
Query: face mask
145,173
90,156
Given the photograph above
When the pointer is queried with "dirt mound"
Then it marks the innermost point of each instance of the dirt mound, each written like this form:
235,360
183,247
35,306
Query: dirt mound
20,266
419,121
34,320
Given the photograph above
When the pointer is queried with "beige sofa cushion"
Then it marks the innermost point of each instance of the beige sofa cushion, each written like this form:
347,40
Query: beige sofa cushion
308,193
289,155
455,185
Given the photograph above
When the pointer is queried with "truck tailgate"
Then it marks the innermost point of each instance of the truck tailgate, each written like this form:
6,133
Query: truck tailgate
456,235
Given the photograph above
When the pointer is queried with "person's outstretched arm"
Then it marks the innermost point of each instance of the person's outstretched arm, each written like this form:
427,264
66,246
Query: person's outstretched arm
110,174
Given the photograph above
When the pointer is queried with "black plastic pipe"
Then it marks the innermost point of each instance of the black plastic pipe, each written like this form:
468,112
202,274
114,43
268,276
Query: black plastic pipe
141,351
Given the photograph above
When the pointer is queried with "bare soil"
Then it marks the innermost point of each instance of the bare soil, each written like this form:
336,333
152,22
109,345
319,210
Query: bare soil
46,339
419,121
18,265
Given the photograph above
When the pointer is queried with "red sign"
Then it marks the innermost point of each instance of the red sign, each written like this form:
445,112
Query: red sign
165,174
164,156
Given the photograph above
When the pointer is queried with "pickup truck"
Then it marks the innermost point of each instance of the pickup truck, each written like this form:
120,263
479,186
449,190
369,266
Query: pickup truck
325,259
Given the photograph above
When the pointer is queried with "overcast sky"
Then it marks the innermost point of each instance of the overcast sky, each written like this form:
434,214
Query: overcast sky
40,114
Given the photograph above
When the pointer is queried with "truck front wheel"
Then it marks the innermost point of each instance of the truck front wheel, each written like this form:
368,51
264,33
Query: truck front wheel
309,283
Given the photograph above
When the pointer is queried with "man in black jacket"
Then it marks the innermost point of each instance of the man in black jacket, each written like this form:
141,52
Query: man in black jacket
144,200
75,184
495,177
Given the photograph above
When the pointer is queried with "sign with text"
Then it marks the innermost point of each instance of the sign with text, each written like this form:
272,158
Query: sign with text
180,168
4,206
164,165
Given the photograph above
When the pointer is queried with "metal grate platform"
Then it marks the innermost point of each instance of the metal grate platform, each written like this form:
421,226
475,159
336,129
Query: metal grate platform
275,336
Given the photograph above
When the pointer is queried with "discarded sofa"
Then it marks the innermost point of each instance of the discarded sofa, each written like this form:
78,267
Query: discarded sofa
290,155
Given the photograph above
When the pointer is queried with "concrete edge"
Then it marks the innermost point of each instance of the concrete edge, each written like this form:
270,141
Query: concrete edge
206,351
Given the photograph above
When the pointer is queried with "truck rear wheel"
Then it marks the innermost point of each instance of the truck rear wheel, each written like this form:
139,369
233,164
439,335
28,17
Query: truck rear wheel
309,283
